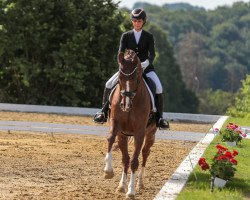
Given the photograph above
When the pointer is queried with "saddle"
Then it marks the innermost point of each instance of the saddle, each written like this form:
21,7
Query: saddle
150,84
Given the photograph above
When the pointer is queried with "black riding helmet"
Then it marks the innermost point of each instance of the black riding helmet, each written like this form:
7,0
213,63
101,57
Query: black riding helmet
138,13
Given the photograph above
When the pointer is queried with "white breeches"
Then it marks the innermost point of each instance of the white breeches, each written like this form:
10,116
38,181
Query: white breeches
156,80
114,79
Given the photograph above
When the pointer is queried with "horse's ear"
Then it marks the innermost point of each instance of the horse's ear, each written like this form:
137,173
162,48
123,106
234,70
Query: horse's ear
120,57
135,58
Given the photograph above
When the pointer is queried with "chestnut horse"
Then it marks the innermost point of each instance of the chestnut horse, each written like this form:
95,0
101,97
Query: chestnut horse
129,115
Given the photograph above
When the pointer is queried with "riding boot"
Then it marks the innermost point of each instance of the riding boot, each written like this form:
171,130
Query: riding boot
160,122
102,115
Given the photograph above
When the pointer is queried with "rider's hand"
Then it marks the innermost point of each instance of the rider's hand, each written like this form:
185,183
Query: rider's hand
145,64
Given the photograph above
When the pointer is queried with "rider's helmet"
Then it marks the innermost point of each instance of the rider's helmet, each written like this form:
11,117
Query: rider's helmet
138,13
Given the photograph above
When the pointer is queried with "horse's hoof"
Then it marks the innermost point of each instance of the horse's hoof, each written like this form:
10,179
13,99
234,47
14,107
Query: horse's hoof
120,189
109,175
130,196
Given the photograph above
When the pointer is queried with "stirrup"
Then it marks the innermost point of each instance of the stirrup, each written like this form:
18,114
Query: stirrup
100,118
163,124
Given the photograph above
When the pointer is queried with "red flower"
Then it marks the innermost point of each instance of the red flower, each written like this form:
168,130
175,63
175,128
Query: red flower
235,153
201,161
233,161
223,157
228,155
203,164
221,148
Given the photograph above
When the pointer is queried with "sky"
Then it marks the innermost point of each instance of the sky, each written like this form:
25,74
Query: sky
207,4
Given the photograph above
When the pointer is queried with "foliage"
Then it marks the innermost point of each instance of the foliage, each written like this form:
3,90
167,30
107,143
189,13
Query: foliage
221,61
240,121
223,163
241,108
232,133
62,53
177,97
215,102
51,51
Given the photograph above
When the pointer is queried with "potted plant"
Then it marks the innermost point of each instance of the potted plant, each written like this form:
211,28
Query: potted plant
232,134
222,166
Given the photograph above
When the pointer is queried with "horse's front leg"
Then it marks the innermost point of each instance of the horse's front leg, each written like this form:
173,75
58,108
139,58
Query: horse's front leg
138,141
123,146
108,169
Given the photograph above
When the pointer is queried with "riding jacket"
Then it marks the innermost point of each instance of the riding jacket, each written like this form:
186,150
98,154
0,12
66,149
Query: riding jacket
145,49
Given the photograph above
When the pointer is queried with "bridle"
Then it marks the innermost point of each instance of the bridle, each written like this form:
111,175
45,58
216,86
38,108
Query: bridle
129,94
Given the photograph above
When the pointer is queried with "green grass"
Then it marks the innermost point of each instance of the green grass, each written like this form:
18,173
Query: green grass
236,189
239,121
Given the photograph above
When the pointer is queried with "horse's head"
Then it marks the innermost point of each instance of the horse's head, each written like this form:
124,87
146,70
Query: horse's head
129,78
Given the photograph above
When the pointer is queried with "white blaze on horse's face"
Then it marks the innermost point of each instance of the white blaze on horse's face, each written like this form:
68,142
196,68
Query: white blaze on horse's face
127,100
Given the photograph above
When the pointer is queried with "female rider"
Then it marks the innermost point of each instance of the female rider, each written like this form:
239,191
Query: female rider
142,42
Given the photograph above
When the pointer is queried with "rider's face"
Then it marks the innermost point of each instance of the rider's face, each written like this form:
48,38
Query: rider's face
137,24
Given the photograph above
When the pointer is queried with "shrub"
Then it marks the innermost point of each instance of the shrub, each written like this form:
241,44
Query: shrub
241,108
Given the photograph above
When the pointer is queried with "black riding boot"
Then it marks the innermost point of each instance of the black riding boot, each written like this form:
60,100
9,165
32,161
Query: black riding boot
161,123
102,116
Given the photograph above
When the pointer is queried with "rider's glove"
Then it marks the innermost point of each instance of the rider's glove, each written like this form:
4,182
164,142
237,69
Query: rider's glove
145,64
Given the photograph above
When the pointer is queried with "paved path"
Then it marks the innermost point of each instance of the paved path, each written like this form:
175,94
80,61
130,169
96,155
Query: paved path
90,130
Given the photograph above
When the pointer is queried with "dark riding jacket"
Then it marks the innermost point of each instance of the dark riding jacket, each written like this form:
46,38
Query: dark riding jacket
145,49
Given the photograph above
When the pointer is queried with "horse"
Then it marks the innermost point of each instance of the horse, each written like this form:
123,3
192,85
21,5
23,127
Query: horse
129,116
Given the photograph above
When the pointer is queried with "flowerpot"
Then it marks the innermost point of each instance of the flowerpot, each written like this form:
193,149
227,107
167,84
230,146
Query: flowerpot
232,144
218,182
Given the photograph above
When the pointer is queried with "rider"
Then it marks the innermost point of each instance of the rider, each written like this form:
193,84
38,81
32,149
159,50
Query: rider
142,42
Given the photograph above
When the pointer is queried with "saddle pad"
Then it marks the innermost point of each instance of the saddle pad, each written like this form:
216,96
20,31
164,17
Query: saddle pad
150,93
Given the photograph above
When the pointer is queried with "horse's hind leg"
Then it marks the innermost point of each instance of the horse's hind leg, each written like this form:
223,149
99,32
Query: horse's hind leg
149,141
123,146
138,141
108,170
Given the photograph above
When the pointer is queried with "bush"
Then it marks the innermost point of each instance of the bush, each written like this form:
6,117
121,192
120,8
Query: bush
57,52
241,108
215,102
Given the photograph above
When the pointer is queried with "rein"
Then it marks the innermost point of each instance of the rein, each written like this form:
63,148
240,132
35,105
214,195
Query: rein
130,94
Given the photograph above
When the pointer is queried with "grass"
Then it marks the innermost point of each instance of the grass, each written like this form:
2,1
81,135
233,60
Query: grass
239,121
236,189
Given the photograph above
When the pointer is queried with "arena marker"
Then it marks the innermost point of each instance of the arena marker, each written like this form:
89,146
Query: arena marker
192,167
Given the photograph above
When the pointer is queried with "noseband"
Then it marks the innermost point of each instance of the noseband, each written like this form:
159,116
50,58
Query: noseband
129,94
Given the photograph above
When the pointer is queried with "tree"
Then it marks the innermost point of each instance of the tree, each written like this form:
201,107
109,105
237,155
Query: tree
215,102
177,97
241,107
57,52
191,60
